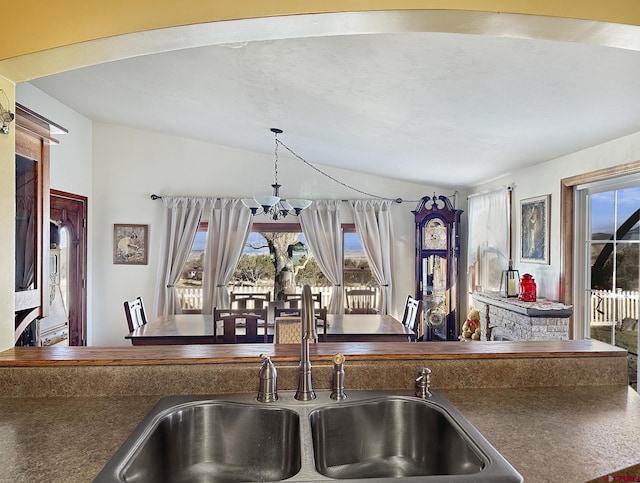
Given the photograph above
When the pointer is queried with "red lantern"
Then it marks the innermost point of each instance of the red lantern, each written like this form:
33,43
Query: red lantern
527,288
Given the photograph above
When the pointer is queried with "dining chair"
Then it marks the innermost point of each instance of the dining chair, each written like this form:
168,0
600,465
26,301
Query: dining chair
362,301
136,316
293,300
288,330
320,316
240,325
412,316
258,300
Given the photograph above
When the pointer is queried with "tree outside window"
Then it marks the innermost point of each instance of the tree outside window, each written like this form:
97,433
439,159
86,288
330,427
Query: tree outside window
276,259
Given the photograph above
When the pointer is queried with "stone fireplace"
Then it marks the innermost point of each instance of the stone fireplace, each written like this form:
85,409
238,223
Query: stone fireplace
504,318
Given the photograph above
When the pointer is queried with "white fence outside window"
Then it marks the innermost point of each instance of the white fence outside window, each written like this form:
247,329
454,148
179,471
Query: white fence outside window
608,307
191,298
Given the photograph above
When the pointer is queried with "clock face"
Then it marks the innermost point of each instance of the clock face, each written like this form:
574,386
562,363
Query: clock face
435,235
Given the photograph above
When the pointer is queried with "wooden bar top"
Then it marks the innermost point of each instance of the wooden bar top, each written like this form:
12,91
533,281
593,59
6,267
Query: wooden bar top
225,353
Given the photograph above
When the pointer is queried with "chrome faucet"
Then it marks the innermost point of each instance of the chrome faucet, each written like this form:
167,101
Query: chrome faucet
308,332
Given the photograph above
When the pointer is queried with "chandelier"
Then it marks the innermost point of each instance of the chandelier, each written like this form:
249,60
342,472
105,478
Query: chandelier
272,205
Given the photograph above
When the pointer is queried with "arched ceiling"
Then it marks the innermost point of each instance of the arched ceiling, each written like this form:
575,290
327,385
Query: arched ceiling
443,98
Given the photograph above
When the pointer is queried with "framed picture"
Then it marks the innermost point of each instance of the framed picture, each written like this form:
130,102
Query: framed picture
130,244
534,229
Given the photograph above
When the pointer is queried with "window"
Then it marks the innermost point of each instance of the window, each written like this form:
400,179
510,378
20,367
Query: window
356,269
189,286
275,259
489,245
607,246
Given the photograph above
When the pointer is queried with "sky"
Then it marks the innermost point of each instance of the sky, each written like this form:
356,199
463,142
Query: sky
602,208
351,242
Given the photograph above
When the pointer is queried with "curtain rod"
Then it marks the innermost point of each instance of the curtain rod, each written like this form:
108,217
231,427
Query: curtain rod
491,190
397,200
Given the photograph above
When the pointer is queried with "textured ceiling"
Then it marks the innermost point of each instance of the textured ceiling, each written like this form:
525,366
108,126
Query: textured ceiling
448,110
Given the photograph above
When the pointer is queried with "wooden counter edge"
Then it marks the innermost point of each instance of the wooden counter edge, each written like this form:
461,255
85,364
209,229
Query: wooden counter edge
249,353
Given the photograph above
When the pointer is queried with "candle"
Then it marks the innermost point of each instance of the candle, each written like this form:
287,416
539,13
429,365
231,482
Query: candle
512,288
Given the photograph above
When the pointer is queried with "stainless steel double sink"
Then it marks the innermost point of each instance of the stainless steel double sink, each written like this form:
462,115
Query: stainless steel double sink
370,435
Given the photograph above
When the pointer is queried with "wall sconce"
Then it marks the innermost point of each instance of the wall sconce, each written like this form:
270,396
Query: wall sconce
6,116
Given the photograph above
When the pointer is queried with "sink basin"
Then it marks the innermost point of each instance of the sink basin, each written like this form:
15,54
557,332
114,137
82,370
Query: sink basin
371,436
207,441
391,437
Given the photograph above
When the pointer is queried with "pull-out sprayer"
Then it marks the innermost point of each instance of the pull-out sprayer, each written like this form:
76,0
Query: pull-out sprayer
338,378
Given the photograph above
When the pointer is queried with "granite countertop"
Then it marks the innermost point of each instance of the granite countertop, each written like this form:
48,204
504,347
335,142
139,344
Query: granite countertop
569,434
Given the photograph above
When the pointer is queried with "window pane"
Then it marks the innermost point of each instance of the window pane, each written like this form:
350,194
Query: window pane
255,267
628,204
189,287
357,272
601,316
602,215
601,266
192,273
627,266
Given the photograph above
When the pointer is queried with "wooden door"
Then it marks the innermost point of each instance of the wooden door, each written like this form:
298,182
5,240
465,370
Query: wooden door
69,211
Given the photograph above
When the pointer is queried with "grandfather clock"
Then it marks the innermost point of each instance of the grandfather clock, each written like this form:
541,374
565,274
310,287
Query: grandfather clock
437,253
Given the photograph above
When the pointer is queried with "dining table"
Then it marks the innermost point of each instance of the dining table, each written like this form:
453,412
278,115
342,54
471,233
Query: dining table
175,329
185,329
366,328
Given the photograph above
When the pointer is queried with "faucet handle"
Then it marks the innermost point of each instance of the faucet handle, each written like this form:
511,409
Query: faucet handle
267,389
423,381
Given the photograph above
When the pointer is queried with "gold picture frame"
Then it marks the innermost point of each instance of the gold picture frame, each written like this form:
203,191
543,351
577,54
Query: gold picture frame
534,229
130,244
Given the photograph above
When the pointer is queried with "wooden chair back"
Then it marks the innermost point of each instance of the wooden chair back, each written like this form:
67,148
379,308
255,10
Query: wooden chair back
250,300
412,315
232,326
293,300
362,301
134,311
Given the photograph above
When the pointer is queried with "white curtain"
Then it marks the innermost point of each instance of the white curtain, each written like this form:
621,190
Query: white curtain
489,225
321,227
374,227
180,220
229,226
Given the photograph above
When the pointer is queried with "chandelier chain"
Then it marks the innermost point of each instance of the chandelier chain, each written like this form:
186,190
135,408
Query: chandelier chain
335,180
275,152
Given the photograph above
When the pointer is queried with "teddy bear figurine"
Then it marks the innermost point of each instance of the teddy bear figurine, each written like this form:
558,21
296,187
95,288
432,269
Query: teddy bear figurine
471,326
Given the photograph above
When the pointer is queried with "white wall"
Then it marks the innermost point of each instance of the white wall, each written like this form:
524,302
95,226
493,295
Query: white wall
545,179
129,165
7,218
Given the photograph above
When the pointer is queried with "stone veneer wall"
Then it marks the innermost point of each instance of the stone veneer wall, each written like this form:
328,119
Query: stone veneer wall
498,323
